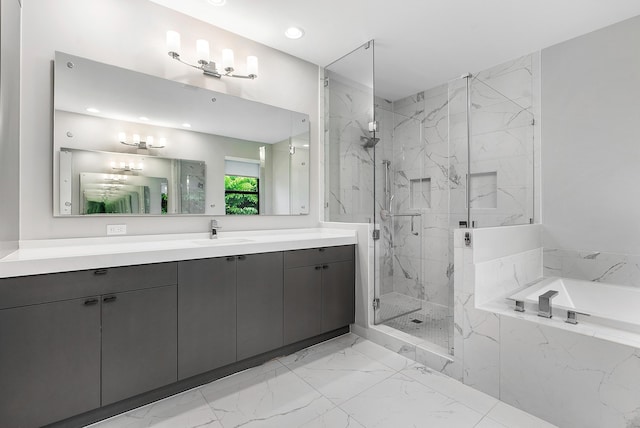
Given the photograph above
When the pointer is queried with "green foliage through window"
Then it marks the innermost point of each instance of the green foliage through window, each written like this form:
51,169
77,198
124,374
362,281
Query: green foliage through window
241,195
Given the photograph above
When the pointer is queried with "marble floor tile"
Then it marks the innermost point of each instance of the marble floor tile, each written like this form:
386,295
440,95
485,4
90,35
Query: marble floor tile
270,396
338,373
472,398
188,409
336,418
509,416
400,401
347,382
385,356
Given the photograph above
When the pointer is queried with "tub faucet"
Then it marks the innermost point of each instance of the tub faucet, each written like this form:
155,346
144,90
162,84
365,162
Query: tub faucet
544,303
213,229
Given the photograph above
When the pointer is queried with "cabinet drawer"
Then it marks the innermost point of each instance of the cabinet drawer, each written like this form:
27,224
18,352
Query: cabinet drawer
313,256
31,290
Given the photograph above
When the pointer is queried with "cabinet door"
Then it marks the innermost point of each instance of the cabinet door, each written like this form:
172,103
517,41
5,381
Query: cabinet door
206,315
259,291
302,303
49,361
139,342
338,295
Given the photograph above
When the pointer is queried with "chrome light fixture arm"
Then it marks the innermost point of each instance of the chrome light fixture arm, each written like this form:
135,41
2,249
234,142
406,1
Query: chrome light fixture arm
209,68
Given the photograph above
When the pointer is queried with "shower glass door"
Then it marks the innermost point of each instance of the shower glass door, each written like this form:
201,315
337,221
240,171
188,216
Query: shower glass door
349,162
402,194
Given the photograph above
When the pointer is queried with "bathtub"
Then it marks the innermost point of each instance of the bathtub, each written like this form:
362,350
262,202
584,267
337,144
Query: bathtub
614,306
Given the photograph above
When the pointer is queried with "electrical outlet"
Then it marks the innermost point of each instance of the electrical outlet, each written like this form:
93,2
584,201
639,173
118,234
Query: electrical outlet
116,229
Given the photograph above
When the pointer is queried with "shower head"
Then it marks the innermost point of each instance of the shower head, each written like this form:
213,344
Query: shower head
369,141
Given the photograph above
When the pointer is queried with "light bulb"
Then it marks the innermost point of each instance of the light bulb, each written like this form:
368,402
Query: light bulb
227,60
149,140
252,66
173,42
162,141
136,139
113,164
122,137
202,48
140,166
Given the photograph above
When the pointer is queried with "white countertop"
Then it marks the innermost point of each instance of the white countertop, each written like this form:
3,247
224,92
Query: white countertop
62,255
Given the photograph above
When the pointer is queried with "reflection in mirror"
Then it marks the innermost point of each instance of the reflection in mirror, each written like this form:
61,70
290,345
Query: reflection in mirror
113,121
90,182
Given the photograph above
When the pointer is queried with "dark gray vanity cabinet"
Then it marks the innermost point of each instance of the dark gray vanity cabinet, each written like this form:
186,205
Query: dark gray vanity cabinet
74,341
49,361
139,342
259,292
206,315
319,291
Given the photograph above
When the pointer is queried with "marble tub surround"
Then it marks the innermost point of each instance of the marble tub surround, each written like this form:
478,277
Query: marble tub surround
60,255
571,375
613,268
347,381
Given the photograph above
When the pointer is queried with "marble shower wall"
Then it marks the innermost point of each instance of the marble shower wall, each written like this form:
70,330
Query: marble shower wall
430,168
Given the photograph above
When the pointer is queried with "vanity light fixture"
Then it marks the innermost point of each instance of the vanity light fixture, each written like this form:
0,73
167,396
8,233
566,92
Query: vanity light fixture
207,66
124,166
136,142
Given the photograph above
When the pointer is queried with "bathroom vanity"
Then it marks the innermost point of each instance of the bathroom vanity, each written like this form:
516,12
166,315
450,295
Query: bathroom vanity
90,343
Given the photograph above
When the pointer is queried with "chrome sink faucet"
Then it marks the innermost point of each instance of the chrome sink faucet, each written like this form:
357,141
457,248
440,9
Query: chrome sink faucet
213,229
544,303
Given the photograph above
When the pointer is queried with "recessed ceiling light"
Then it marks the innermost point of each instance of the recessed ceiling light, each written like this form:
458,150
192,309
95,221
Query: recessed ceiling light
294,32
93,110
186,125
217,2
143,118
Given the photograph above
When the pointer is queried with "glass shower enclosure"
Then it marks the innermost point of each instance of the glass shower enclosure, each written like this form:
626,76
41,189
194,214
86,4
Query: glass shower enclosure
456,155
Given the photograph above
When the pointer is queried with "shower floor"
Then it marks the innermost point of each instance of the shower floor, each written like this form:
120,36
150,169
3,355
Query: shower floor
429,323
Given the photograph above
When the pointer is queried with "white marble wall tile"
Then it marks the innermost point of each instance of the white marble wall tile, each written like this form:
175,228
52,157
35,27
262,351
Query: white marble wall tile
481,363
621,269
569,379
513,79
501,277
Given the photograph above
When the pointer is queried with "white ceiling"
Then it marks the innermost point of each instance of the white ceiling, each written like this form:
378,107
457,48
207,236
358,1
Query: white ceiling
419,43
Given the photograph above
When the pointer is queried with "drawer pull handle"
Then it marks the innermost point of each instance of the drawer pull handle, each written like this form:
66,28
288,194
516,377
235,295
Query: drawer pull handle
100,272
230,259
91,302
318,267
109,299
242,257
325,266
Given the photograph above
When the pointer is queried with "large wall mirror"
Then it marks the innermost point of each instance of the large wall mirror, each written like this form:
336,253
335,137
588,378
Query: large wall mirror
133,144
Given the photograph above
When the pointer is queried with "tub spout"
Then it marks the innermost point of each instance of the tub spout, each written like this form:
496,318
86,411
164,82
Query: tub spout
544,303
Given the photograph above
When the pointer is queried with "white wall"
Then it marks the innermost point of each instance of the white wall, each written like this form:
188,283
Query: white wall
590,143
9,124
131,34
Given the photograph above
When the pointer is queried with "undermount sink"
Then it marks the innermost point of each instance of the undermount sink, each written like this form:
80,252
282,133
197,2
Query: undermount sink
221,241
